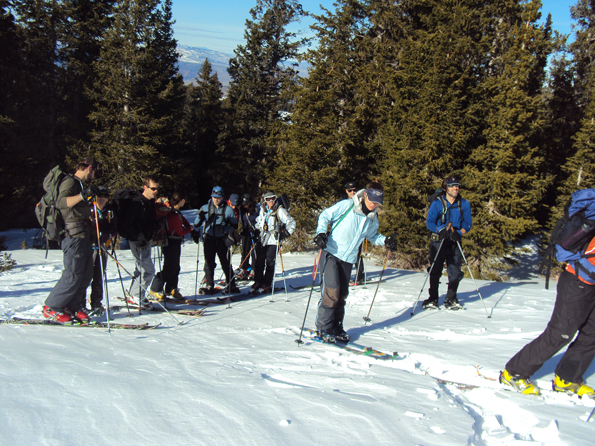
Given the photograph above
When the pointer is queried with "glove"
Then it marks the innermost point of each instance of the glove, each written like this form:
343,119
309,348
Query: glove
443,233
284,234
321,240
202,215
456,236
90,192
391,243
195,236
142,241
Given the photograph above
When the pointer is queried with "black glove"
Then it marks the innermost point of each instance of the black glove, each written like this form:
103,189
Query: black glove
202,215
321,240
195,236
90,192
391,243
443,233
456,236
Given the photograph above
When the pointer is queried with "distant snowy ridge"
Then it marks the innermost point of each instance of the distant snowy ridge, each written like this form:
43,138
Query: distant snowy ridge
191,54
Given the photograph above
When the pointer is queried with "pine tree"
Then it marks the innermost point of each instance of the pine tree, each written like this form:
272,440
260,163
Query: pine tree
138,95
202,123
260,70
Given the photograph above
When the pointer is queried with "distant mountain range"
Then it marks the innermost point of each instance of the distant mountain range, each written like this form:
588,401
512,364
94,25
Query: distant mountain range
191,59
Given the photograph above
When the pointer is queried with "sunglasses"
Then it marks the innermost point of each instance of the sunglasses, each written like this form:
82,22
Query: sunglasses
351,190
453,185
154,189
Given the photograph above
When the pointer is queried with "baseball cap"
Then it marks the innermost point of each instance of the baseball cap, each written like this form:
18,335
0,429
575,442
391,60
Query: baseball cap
234,199
103,191
453,181
350,185
375,195
217,192
247,198
269,194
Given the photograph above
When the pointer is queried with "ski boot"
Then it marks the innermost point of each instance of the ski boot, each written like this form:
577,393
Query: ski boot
523,385
580,389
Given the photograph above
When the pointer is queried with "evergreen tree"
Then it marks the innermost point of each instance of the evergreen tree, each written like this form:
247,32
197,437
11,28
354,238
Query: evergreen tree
138,95
260,70
203,119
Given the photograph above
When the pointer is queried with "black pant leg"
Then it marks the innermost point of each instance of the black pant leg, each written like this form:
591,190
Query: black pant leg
210,251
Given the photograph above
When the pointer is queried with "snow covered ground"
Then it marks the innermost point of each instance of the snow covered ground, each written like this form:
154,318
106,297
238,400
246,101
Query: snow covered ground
237,377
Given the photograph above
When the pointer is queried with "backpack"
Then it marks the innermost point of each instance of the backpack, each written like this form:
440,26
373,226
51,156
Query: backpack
438,195
571,236
47,213
121,199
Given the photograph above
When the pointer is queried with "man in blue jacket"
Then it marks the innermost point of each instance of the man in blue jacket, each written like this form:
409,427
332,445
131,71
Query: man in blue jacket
219,220
449,218
351,222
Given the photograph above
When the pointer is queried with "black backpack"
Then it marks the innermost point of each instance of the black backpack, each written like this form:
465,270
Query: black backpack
571,234
47,213
121,199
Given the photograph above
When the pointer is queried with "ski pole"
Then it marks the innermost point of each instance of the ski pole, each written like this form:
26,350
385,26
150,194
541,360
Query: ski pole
104,276
139,284
427,275
196,277
367,318
591,414
314,273
471,274
283,272
121,281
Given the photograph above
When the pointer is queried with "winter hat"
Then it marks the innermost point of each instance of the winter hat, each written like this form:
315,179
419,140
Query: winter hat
234,199
350,185
375,195
453,181
269,194
247,198
217,192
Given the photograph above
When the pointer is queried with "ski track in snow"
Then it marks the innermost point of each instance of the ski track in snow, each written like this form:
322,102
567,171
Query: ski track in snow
237,376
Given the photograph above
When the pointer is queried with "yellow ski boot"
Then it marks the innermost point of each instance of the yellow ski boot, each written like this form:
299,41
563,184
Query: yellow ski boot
559,385
519,384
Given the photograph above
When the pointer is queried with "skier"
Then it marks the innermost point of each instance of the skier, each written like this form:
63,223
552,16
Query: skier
108,229
176,227
273,225
449,218
219,221
140,222
574,311
67,298
351,221
249,211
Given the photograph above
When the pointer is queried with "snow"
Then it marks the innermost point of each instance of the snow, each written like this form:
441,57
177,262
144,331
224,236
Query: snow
236,376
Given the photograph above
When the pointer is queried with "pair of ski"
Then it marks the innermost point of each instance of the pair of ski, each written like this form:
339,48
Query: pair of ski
351,284
91,324
186,312
351,347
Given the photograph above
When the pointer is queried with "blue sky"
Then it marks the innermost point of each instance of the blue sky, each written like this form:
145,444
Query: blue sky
219,24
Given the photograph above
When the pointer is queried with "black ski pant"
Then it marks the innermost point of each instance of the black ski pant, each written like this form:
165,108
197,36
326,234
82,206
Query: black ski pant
70,290
248,258
574,311
360,275
335,276
265,264
215,246
98,273
451,254
168,276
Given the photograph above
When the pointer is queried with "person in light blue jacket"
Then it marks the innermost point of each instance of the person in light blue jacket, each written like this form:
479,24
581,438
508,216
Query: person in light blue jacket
351,221
449,218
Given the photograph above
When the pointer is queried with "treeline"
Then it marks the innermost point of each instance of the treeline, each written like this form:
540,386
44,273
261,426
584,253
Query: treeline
408,91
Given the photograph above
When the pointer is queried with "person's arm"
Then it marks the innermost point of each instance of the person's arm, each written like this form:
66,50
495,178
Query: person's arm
332,215
467,218
433,216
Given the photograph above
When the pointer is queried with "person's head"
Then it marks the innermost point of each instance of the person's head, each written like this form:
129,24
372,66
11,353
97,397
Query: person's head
373,195
234,200
150,187
177,199
270,198
350,189
217,195
451,186
246,200
87,169
102,196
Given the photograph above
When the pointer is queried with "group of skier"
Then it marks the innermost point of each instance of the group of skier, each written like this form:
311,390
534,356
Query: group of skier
260,228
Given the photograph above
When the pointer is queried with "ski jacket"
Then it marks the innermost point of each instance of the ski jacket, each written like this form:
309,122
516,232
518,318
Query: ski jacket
457,213
217,222
248,217
584,268
141,218
108,227
349,227
270,222
177,225
77,220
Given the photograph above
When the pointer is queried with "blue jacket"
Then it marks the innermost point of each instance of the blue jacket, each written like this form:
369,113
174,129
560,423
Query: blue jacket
347,235
220,222
458,213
